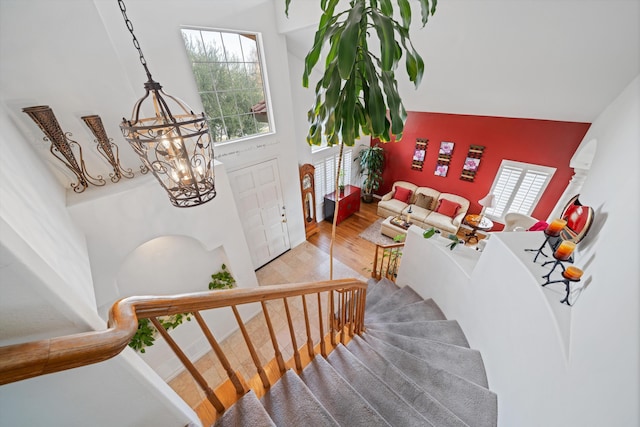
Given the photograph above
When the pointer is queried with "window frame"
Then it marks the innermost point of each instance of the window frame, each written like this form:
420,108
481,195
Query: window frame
263,72
518,193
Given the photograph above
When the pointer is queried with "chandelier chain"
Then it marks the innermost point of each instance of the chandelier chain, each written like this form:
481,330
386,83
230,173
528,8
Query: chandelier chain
136,43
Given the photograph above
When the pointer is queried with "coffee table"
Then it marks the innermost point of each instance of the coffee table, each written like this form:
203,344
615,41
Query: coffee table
392,226
476,222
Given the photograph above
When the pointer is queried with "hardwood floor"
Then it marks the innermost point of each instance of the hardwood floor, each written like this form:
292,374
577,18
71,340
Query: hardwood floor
350,249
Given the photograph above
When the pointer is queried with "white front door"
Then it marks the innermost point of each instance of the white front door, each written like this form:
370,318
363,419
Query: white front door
262,212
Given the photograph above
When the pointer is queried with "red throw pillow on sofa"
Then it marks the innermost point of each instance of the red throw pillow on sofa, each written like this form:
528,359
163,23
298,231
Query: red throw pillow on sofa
448,208
402,194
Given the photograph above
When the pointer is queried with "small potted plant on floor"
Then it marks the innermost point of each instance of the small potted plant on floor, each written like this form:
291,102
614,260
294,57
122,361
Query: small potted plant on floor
371,162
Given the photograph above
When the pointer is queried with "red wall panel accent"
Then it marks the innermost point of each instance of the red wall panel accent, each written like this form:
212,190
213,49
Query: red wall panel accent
543,142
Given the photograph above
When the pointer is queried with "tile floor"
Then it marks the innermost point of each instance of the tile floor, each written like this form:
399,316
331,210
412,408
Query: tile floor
305,263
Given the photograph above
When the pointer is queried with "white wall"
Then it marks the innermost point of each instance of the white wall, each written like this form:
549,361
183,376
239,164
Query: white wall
551,364
161,27
607,320
47,291
78,57
122,391
126,224
33,205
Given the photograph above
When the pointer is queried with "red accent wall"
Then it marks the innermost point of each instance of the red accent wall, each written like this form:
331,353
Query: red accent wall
543,142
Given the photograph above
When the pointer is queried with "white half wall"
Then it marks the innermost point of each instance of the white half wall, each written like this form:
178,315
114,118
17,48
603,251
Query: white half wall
122,391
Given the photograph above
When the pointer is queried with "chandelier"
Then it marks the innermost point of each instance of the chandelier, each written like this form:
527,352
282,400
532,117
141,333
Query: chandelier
173,143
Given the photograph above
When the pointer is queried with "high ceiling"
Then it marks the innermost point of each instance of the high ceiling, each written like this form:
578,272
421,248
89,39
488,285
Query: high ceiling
544,59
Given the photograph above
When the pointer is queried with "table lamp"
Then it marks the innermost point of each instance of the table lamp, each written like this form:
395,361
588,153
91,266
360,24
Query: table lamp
488,201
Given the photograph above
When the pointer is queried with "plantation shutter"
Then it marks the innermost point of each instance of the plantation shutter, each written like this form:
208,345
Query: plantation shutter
529,192
518,188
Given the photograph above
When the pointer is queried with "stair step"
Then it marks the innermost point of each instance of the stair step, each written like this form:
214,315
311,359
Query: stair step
419,311
464,362
247,411
472,403
418,397
446,331
344,403
395,410
290,403
382,289
398,299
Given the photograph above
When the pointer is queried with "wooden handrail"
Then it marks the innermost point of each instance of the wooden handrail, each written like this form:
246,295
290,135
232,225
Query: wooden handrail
27,360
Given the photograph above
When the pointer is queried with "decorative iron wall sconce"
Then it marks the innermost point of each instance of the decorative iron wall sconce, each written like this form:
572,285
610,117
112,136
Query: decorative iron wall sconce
62,146
108,149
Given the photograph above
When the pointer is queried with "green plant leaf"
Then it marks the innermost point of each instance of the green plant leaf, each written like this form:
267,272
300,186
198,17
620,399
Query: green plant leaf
384,28
425,10
386,8
326,29
394,102
405,13
349,40
429,233
375,104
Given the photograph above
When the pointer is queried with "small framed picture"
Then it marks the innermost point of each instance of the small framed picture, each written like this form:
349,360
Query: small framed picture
418,155
441,170
471,164
446,148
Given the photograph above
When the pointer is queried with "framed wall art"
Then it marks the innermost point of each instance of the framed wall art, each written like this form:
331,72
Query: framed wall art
472,163
419,154
444,157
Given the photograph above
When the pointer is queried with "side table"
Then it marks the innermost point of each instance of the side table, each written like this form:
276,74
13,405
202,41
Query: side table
476,222
349,203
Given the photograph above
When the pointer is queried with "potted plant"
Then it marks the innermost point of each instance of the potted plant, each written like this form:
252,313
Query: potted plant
145,336
371,162
358,92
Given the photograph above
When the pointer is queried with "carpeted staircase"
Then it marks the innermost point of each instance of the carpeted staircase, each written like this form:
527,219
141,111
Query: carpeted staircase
412,367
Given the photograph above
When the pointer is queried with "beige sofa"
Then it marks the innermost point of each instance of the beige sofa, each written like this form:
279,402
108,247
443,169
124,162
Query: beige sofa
424,217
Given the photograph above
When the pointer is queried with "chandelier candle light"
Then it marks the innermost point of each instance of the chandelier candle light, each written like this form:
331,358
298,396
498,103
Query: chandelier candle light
174,143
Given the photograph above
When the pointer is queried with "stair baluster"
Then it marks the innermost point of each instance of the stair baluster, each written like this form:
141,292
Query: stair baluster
274,340
252,350
312,353
296,353
220,354
332,318
323,346
211,396
390,256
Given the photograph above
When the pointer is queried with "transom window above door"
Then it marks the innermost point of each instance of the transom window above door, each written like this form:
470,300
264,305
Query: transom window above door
227,68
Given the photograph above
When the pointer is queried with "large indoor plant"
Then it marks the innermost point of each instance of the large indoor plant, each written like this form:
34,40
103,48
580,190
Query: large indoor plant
371,164
357,93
